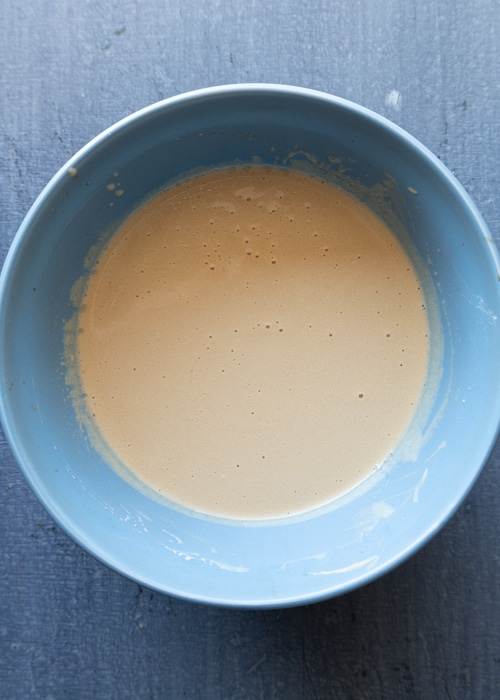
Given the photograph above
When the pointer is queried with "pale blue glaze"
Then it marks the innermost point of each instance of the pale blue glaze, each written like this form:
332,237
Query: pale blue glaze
287,562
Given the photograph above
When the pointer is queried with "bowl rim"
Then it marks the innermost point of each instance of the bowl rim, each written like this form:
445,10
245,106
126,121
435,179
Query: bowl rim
15,440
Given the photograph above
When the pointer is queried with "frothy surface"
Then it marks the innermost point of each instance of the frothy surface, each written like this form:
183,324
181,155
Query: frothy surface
253,342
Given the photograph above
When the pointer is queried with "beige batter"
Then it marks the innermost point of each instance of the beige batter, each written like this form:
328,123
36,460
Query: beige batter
253,342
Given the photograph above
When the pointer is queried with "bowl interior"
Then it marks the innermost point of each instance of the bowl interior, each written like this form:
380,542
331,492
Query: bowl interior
287,561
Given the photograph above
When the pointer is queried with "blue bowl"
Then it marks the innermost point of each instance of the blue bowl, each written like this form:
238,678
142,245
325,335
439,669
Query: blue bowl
286,561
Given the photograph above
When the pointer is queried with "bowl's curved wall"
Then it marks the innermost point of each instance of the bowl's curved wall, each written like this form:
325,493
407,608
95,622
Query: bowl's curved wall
289,561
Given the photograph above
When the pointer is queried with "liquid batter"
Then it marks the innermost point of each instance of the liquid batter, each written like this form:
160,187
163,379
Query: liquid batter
253,342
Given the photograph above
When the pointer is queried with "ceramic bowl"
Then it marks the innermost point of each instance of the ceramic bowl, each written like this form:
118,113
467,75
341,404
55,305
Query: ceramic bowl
285,561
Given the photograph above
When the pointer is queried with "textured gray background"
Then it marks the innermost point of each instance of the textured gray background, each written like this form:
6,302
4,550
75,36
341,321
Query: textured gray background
69,627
